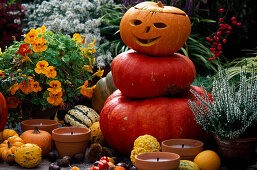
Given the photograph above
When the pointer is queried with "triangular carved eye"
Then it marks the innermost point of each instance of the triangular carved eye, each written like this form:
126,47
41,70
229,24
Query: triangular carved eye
136,22
160,25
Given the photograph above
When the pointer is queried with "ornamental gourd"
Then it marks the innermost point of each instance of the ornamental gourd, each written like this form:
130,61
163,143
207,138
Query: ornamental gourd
28,155
123,119
40,137
3,112
104,88
154,29
5,134
138,75
8,147
81,116
96,133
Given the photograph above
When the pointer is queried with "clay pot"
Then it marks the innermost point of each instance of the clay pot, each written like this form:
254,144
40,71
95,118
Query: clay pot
71,140
157,160
241,149
42,124
186,148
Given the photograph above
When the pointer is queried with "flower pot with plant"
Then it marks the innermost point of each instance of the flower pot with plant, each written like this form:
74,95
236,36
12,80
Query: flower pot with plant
232,116
47,70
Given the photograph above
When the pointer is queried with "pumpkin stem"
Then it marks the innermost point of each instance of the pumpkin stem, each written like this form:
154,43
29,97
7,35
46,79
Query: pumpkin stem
36,131
159,3
6,159
9,144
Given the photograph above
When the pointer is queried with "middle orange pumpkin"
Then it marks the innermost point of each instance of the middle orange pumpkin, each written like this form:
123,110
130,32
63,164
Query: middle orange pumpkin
140,76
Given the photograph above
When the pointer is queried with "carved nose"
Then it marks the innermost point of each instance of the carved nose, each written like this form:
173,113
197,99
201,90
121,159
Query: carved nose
147,29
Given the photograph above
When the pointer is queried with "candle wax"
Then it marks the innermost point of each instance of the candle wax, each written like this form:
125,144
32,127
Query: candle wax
180,146
40,124
155,160
74,133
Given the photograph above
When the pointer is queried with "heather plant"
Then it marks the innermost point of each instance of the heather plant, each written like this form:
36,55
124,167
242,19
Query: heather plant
11,15
233,111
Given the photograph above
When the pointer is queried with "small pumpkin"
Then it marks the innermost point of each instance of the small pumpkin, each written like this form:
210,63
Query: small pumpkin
28,155
40,137
104,88
96,133
81,116
5,134
154,29
3,112
9,146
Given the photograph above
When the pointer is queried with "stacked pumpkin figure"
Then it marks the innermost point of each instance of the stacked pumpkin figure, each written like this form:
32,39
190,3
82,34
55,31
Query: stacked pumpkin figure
153,81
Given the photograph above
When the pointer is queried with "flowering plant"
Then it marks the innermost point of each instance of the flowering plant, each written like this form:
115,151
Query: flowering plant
47,69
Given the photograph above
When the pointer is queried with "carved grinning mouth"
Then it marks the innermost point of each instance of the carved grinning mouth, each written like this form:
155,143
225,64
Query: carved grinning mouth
147,41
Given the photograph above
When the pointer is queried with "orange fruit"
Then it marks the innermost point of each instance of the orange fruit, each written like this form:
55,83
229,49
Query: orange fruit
208,160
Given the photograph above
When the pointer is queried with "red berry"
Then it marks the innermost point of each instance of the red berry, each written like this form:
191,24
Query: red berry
210,59
226,25
219,33
221,20
234,22
214,37
239,24
214,44
229,28
233,18
220,52
101,165
228,32
215,58
213,49
221,10
219,48
224,41
221,25
105,158
217,39
219,45
208,39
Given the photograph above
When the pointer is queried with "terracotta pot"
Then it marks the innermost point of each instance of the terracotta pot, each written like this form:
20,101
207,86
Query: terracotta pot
241,149
42,124
186,148
157,161
71,140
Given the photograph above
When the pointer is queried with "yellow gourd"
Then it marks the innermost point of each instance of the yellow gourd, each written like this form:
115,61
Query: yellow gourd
188,165
96,133
28,155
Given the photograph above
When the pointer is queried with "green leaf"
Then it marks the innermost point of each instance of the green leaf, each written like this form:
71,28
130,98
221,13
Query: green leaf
66,58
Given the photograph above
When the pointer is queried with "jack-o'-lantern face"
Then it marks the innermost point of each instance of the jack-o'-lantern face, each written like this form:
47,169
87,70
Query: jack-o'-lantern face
154,29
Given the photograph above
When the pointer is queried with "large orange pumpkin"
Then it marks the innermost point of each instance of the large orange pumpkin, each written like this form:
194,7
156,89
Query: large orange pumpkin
123,119
138,75
154,29
40,137
3,112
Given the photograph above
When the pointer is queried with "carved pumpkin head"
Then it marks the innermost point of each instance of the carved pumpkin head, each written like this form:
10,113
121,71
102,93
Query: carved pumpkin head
154,29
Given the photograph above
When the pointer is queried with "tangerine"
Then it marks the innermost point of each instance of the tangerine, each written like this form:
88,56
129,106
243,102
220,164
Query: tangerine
208,160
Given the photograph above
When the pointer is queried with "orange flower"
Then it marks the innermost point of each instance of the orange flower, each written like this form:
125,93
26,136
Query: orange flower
26,58
13,102
77,38
35,86
56,87
41,30
2,73
88,92
50,72
25,87
31,36
24,49
41,67
84,85
99,73
87,68
39,45
55,99
14,88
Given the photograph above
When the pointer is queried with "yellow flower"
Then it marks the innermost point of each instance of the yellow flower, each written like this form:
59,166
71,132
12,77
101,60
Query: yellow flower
91,46
41,67
39,45
87,68
2,73
50,72
87,91
25,58
85,85
36,87
41,30
56,87
99,73
77,38
55,99
31,36
1,51
14,88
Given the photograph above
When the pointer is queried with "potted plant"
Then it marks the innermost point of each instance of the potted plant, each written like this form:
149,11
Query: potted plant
46,70
231,116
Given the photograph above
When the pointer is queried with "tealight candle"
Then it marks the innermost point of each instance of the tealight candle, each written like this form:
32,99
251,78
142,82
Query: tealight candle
186,148
157,161
42,124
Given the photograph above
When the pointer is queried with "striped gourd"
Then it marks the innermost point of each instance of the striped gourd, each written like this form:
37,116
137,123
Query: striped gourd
81,116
